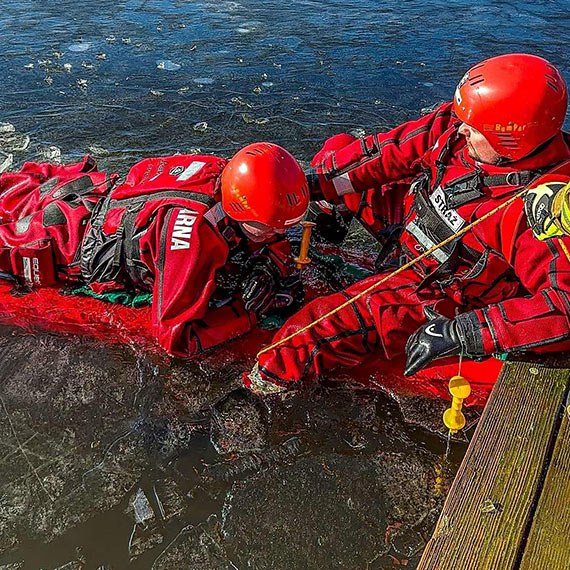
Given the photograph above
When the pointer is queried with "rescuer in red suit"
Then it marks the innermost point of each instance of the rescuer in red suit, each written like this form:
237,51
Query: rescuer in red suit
203,234
494,290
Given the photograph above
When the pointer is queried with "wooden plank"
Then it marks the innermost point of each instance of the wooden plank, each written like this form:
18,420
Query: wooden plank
485,517
548,544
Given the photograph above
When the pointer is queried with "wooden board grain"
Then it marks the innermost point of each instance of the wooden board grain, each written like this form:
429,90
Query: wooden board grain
490,506
548,544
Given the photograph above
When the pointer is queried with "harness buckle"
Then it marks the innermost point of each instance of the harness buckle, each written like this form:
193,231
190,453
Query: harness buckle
513,179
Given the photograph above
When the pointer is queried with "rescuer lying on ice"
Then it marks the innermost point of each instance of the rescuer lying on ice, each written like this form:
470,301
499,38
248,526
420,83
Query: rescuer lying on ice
495,289
203,234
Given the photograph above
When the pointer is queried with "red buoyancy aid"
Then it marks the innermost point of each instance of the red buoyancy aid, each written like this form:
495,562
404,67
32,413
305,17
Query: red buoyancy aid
43,211
164,230
111,250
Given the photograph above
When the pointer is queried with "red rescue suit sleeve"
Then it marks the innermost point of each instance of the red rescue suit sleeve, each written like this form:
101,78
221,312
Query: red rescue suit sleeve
379,159
539,322
186,263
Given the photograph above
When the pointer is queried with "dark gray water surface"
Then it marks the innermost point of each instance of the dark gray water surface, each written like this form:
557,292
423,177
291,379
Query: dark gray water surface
114,459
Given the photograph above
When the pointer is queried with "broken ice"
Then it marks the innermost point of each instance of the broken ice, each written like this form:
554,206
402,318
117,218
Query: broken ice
168,65
79,47
203,80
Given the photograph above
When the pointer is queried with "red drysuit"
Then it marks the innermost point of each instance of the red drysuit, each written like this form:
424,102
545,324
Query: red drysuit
510,290
162,230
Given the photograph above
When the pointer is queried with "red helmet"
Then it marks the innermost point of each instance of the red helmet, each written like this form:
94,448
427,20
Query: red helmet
264,183
517,101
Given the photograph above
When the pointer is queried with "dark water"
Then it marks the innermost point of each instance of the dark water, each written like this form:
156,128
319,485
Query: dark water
112,459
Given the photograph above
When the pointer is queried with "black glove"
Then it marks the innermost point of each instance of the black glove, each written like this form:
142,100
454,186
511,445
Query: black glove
289,296
258,287
313,182
331,225
440,337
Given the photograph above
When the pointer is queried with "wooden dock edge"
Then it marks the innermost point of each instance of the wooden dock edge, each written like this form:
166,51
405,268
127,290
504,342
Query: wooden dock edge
511,496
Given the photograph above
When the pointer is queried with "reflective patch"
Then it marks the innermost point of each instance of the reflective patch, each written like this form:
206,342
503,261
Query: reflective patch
450,216
27,266
343,185
294,221
182,231
190,170
426,242
23,225
215,214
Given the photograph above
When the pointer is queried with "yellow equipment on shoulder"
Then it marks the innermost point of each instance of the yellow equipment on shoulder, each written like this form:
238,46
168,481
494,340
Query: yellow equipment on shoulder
547,208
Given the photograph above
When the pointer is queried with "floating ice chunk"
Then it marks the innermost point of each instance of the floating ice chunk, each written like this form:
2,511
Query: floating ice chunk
277,65
203,80
111,39
29,66
142,510
67,67
101,56
240,101
183,90
428,83
7,128
48,80
58,54
201,127
156,93
126,41
51,154
251,120
267,84
244,30
168,65
359,132
6,160
97,150
82,83
14,142
257,90
87,65
79,47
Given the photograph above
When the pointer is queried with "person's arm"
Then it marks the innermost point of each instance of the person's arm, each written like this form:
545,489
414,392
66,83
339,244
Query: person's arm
187,255
539,322
376,160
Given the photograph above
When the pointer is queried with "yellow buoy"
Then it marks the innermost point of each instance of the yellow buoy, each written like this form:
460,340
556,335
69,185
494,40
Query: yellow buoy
453,417
303,258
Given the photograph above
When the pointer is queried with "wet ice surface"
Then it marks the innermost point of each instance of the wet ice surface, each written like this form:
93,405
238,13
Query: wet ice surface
110,459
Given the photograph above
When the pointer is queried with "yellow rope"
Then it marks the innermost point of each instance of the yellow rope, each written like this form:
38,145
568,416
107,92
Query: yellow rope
564,249
399,270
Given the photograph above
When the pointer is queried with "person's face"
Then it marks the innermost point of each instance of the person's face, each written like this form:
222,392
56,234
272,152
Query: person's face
477,145
256,231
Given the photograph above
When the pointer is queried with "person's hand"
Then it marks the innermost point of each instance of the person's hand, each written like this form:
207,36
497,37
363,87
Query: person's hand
440,337
330,224
258,288
259,384
289,295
